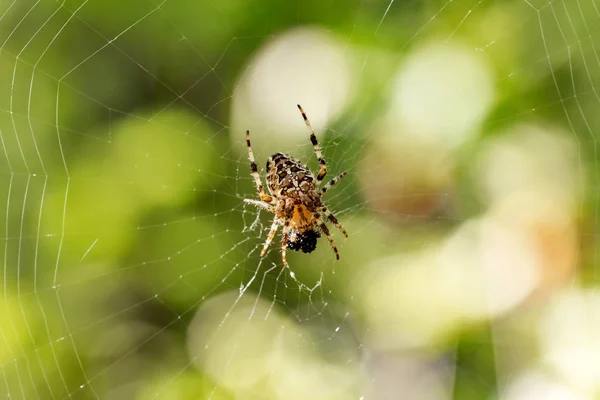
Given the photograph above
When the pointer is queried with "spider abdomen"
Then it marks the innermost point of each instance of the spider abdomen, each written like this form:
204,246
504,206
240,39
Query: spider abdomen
289,178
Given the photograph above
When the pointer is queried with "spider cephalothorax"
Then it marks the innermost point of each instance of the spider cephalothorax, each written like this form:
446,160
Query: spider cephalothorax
295,199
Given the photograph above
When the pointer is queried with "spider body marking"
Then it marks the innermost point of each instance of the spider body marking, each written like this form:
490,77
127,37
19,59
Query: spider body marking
295,199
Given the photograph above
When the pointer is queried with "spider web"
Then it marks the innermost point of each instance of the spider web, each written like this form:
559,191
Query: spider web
132,266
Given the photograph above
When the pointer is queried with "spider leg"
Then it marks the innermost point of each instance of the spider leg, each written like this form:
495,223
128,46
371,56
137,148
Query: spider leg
260,204
332,182
315,143
334,220
326,232
270,237
259,187
284,242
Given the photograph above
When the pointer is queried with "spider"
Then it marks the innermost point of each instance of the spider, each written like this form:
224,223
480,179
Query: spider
295,199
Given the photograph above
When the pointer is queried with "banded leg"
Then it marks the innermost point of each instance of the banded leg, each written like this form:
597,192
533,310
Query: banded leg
332,182
270,237
334,220
326,232
315,143
259,187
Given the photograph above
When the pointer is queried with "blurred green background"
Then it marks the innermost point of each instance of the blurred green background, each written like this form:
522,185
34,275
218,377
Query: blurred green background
131,266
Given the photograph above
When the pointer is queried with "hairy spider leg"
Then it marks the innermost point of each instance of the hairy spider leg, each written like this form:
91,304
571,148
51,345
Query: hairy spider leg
315,143
259,187
284,242
272,232
274,226
260,204
334,220
328,235
332,182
